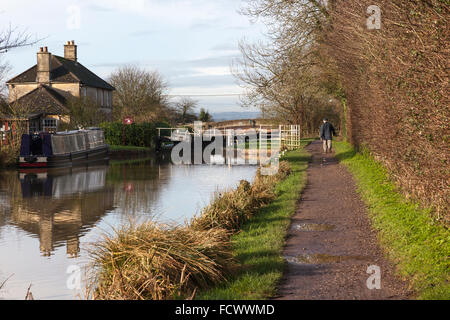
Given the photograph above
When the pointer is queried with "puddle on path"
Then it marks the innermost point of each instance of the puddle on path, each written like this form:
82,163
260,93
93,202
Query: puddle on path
313,227
323,258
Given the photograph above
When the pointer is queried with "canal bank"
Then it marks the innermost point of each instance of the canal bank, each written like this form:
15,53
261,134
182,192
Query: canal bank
231,250
48,220
258,247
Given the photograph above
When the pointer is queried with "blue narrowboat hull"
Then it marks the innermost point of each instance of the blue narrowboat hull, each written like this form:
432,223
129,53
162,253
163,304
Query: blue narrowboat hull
65,149
65,160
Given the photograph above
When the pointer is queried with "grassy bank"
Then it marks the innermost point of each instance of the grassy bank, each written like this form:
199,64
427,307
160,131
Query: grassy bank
419,246
258,247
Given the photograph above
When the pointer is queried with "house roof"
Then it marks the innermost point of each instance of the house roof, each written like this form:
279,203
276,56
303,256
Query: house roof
65,70
43,100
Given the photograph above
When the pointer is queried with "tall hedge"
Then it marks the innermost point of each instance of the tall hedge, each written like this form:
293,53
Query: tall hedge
138,135
396,86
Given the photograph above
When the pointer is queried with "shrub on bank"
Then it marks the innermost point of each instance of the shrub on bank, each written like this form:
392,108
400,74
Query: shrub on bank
9,155
230,209
137,134
153,262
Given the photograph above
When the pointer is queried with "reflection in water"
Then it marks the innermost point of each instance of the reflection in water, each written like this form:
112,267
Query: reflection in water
56,206
47,218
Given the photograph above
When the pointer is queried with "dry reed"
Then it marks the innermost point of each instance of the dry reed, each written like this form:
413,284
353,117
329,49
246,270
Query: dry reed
155,262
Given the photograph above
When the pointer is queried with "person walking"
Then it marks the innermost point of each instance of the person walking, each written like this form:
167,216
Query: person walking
326,135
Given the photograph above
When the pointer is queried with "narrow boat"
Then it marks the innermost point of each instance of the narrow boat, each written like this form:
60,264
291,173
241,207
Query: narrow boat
63,149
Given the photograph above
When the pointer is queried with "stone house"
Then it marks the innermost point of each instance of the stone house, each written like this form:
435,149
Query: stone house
46,87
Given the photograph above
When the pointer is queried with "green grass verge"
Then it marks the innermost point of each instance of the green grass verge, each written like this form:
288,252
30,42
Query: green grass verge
419,246
258,247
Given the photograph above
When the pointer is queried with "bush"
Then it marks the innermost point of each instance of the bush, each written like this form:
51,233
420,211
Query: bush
229,210
9,154
138,135
152,262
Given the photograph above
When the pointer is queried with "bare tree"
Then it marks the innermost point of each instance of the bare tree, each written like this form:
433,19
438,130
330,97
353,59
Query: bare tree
284,76
83,112
4,69
185,108
204,116
12,37
139,93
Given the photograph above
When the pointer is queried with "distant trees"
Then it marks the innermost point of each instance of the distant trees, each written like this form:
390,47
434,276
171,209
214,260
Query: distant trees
139,93
185,110
204,116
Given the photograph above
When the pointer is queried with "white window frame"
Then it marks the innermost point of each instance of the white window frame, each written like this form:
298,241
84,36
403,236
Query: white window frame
45,126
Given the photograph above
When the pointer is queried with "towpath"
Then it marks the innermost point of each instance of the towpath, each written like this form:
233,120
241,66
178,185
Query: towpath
331,244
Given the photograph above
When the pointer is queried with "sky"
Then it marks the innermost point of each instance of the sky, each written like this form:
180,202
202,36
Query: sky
192,43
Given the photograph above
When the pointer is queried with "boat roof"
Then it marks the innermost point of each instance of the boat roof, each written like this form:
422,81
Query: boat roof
76,131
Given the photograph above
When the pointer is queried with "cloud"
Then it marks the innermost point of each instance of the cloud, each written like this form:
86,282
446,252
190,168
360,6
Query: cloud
98,8
206,81
142,33
201,26
225,47
223,90
174,12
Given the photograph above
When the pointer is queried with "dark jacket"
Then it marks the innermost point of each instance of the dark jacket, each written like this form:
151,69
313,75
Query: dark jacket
327,131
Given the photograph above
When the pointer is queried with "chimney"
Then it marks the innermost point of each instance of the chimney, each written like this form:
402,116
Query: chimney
70,51
44,65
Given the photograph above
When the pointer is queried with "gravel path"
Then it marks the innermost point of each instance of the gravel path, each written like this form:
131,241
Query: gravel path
331,244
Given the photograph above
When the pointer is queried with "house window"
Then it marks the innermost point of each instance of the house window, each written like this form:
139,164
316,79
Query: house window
34,126
108,98
49,125
84,91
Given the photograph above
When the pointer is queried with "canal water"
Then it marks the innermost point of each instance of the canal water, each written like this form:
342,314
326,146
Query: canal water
49,219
